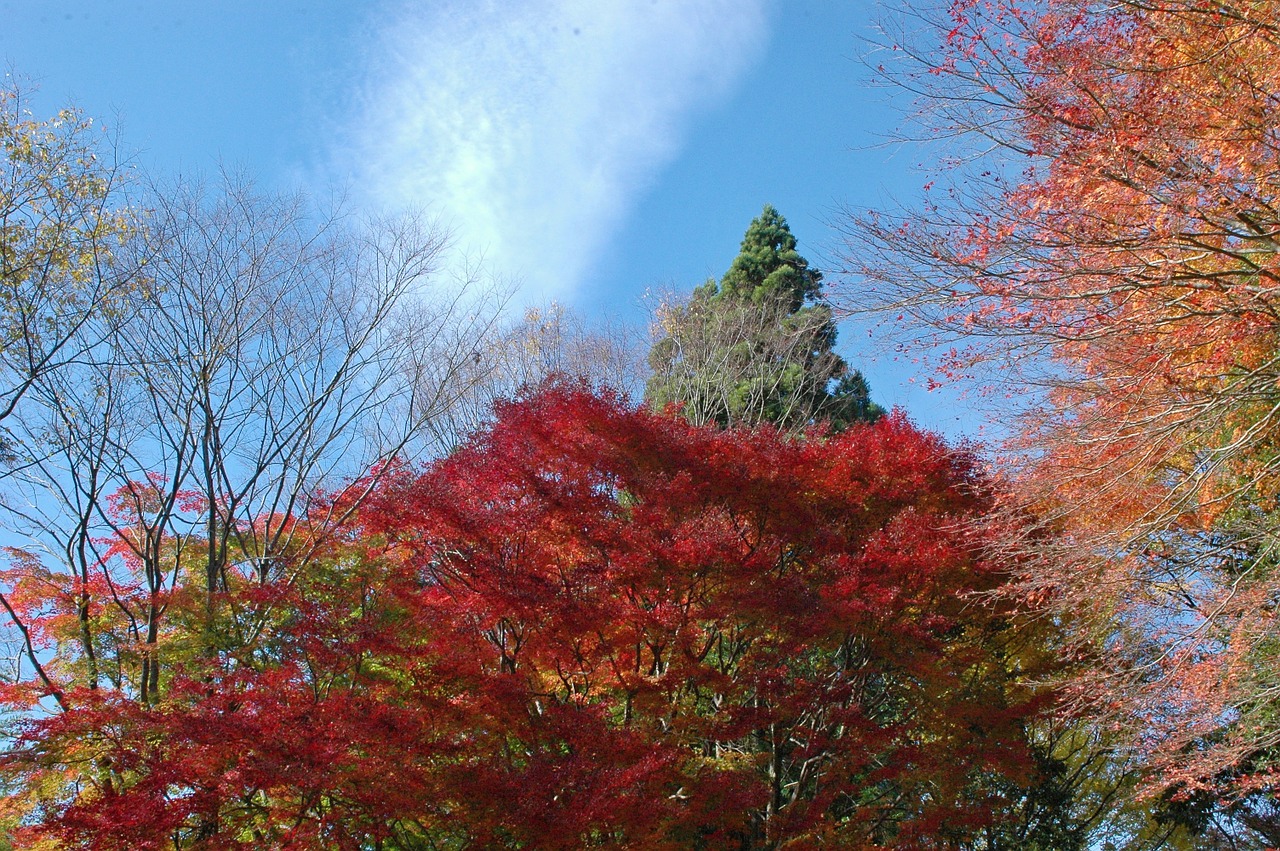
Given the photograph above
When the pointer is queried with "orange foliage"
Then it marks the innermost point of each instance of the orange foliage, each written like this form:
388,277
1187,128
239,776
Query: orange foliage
1120,250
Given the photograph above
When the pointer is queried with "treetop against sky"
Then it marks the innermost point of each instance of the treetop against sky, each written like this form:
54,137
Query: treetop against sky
591,152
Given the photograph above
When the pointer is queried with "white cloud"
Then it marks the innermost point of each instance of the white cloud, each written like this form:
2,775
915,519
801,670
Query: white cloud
532,126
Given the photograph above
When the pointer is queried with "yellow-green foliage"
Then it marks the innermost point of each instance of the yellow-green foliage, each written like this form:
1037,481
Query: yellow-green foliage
63,230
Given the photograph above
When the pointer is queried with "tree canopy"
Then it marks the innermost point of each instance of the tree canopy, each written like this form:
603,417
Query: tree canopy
759,345
1115,248
591,626
241,611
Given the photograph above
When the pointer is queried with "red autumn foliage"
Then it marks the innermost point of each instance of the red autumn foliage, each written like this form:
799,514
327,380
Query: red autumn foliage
591,626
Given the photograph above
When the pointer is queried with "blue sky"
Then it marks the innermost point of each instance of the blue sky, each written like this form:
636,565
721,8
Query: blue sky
593,150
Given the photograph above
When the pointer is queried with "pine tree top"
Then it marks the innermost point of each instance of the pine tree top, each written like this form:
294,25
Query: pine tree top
768,265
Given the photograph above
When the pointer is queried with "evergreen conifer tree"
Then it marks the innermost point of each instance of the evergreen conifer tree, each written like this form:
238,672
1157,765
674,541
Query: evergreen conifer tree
758,346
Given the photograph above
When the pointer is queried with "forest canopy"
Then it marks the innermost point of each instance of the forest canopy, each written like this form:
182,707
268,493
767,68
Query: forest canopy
307,544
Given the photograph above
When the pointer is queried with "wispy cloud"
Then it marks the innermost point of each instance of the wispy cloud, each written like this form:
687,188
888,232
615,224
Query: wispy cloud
533,126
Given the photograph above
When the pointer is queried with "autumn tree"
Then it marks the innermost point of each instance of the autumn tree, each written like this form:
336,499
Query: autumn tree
164,473
65,228
1113,245
591,626
758,346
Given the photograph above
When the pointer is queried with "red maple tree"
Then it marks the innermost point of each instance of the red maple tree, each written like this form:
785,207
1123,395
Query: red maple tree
591,626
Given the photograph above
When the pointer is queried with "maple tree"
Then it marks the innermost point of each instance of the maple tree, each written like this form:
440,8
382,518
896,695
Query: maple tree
590,626
1114,245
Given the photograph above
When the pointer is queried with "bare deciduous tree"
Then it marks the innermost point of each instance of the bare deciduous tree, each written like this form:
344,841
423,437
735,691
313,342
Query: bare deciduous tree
546,341
271,358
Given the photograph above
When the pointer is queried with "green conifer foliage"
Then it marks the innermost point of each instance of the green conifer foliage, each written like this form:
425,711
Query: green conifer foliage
757,346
